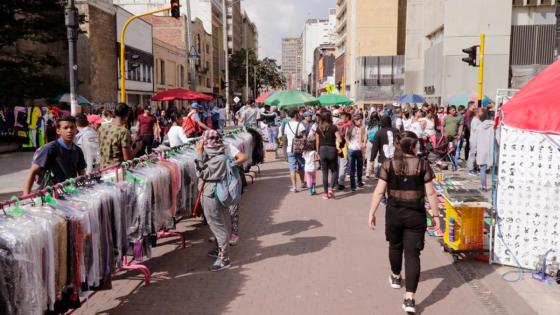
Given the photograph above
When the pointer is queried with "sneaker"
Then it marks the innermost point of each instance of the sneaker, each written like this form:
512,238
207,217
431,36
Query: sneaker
325,196
352,189
314,188
293,189
310,192
303,185
361,184
409,305
331,194
341,187
396,282
220,264
233,239
213,253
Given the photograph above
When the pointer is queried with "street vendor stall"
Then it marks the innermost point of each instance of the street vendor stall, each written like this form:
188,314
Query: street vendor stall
528,190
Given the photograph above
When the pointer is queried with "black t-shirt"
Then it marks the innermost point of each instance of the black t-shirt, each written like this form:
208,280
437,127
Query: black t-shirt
63,162
407,190
327,138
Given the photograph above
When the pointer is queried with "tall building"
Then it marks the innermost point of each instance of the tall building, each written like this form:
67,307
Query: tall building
519,42
370,49
234,25
292,62
249,34
323,69
316,32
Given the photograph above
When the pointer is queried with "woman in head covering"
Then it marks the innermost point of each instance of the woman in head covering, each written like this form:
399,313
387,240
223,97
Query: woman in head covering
211,167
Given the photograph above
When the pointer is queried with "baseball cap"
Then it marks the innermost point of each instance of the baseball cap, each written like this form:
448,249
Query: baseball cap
94,119
307,114
195,106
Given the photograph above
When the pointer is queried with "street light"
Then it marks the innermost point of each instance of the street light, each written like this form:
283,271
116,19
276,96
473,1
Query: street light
71,22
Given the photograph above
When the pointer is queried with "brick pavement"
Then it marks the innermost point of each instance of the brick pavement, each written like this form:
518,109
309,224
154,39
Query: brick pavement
301,255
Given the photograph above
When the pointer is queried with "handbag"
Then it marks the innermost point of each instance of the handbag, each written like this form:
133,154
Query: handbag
298,143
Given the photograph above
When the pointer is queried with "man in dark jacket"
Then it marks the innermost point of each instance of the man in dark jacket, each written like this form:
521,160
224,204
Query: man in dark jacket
384,143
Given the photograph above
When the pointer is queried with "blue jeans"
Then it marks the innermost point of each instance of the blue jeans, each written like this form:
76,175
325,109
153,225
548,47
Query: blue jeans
458,150
273,135
483,169
355,158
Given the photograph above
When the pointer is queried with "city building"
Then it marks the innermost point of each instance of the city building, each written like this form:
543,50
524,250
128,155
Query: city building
315,33
322,74
249,34
170,70
519,43
139,59
234,26
370,49
291,62
203,65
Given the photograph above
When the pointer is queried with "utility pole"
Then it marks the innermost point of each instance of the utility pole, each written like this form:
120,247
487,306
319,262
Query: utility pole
246,65
557,44
226,81
72,24
192,69
481,71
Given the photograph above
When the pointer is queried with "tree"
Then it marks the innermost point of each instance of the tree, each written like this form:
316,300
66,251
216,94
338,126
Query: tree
266,70
26,71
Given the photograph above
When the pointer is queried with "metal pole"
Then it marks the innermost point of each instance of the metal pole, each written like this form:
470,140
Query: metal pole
481,70
246,66
190,43
255,81
224,22
122,48
71,19
557,44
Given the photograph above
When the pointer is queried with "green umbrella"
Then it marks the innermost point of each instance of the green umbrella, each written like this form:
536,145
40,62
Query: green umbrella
290,99
334,99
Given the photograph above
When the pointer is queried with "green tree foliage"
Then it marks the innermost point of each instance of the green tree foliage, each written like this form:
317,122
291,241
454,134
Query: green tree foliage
27,24
266,70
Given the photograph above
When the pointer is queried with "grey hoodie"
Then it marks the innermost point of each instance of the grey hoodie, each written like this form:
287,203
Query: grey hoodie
484,143
211,167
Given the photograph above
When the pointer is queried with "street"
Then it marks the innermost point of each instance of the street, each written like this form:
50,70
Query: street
303,255
13,169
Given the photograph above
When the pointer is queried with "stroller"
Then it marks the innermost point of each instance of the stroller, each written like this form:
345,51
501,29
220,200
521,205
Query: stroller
443,152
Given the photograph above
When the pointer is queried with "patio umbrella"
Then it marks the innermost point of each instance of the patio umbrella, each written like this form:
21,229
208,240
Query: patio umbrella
65,98
334,99
264,96
182,95
411,98
464,98
290,99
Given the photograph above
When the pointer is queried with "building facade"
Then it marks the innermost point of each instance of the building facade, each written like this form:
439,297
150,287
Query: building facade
323,69
139,59
249,34
371,41
292,62
170,66
202,41
234,26
315,33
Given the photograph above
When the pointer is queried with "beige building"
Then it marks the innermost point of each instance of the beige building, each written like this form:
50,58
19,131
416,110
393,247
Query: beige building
370,48
234,25
291,62
202,41
170,66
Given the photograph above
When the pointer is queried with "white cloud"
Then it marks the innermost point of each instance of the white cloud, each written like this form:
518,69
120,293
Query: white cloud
282,18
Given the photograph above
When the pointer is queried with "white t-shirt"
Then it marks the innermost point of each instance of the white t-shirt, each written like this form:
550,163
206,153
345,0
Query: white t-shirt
176,136
250,114
231,150
407,124
354,143
430,129
416,127
292,129
310,163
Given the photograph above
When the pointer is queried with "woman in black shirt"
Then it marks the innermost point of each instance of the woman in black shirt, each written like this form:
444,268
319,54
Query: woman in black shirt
327,141
407,180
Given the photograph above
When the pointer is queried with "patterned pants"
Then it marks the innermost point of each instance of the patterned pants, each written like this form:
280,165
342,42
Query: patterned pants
234,214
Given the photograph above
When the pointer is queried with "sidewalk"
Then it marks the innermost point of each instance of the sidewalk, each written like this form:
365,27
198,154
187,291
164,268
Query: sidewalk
13,170
304,255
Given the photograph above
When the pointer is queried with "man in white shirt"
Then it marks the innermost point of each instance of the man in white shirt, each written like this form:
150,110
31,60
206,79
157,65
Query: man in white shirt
296,162
176,134
249,114
88,140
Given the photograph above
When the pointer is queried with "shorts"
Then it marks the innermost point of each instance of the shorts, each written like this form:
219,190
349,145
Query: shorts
295,162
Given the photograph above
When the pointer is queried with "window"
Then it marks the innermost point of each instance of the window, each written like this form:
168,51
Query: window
181,76
207,48
162,72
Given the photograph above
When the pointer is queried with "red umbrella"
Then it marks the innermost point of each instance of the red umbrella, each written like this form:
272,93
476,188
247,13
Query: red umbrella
263,96
181,94
536,107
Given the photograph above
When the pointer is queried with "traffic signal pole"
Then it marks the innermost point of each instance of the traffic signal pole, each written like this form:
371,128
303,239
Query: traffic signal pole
71,21
122,48
481,71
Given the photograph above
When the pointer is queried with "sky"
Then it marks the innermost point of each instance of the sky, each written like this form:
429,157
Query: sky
282,18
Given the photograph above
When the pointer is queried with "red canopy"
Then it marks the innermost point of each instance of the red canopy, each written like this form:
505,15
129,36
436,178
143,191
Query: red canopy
263,96
181,94
536,107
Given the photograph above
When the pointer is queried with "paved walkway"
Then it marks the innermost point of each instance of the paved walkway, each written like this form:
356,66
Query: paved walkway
301,255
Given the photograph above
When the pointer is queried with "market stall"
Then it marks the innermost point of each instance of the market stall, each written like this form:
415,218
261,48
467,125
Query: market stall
528,177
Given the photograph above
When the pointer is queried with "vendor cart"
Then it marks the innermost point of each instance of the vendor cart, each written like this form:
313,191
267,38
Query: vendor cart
464,225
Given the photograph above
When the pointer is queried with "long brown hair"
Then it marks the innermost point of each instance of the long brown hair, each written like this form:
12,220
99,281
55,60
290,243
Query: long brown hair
405,143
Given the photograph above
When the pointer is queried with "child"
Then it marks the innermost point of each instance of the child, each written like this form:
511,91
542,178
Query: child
311,157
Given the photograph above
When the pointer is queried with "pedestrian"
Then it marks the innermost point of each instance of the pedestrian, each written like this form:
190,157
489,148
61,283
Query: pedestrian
192,123
94,121
373,127
406,118
57,160
327,143
295,131
146,125
453,130
356,139
270,117
87,139
115,142
483,144
343,124
383,147
471,161
238,159
211,168
176,134
164,123
221,111
107,116
429,127
249,114
468,116
311,158
408,181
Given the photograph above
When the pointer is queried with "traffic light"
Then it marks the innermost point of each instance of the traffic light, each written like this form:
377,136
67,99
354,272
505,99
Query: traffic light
471,59
175,9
